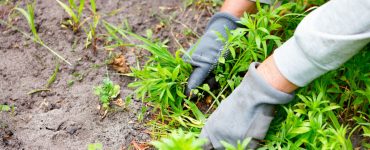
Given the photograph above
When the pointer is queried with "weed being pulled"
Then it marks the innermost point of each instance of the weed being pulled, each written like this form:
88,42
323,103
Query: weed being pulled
161,82
326,114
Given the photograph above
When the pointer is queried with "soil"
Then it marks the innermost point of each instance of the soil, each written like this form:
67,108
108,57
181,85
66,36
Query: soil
67,117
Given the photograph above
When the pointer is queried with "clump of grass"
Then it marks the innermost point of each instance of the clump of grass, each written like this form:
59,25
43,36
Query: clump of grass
74,12
30,17
324,115
162,80
92,38
107,92
180,140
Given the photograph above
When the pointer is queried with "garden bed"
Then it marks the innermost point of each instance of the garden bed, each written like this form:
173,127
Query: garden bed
67,117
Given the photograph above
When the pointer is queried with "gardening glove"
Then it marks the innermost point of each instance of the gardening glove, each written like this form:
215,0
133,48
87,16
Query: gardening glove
206,52
247,112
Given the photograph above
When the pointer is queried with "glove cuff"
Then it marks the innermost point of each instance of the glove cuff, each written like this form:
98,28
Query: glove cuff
246,112
225,19
273,96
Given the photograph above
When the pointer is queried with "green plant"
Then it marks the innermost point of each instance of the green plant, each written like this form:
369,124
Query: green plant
326,114
75,13
7,108
52,78
107,92
203,3
239,146
141,115
95,146
4,107
162,80
91,34
161,83
30,17
180,140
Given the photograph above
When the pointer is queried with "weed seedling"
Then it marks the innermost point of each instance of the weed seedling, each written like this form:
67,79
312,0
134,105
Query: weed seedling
7,108
4,107
107,92
91,34
53,76
30,17
95,146
74,12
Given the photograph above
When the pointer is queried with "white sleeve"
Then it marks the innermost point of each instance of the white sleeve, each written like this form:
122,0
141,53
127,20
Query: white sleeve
264,1
324,40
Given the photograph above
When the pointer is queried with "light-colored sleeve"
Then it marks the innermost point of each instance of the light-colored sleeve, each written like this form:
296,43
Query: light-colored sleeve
324,40
264,1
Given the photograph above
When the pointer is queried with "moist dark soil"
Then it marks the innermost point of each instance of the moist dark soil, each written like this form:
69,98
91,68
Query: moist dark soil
67,116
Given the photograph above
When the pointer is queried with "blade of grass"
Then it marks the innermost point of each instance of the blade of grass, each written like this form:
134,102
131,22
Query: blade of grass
72,4
35,36
53,76
29,15
69,11
80,9
93,6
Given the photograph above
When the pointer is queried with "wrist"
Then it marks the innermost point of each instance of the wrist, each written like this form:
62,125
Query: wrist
238,7
271,74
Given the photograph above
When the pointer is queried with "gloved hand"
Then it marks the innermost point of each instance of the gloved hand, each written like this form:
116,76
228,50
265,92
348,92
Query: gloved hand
247,112
206,52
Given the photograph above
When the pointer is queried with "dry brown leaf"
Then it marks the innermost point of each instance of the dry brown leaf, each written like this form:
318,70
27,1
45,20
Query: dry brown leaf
119,102
209,99
138,146
119,64
158,27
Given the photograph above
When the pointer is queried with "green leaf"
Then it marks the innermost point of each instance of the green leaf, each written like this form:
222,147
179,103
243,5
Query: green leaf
93,6
95,146
116,91
53,76
175,73
222,60
4,107
69,11
80,9
72,4
196,112
300,130
258,41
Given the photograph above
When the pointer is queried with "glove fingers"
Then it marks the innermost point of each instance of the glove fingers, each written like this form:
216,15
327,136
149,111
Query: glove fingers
196,78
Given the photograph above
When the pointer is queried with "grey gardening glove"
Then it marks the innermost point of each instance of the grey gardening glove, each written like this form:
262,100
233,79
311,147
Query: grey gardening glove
206,52
247,112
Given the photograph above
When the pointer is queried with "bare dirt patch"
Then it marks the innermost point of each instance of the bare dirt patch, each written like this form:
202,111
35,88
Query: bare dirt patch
66,117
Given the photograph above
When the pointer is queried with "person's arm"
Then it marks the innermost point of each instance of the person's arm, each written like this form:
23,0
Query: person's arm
324,40
238,7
